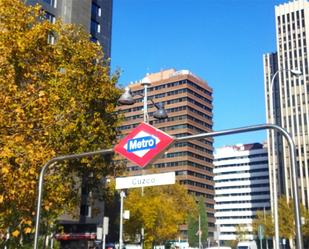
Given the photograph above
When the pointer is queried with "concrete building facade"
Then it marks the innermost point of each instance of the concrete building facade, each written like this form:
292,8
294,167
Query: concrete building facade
241,188
94,15
290,95
188,101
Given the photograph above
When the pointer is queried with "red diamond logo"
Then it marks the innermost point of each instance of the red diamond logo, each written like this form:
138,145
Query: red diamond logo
143,144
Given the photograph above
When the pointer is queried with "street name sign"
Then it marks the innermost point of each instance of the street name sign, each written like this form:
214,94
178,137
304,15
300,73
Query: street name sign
261,232
143,144
145,180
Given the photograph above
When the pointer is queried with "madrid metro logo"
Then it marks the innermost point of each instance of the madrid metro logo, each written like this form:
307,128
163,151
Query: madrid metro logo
143,144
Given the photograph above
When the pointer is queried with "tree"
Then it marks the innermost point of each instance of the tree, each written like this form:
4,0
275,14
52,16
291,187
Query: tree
242,232
161,210
286,220
56,97
286,217
193,225
264,219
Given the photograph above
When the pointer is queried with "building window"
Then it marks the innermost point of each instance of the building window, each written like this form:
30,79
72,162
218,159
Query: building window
51,2
50,17
95,10
95,27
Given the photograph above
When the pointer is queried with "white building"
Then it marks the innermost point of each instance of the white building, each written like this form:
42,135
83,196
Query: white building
241,188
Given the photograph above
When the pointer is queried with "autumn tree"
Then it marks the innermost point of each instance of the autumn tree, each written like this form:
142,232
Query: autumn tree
56,97
286,220
161,210
198,224
265,219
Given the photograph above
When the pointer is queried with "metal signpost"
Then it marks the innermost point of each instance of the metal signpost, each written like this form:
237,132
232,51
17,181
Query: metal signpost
261,235
144,142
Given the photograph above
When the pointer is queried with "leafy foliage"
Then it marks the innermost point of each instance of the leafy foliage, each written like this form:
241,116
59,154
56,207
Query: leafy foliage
54,99
160,211
286,220
264,219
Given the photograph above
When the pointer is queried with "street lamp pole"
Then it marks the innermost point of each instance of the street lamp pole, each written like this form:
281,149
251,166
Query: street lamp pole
122,195
145,84
272,112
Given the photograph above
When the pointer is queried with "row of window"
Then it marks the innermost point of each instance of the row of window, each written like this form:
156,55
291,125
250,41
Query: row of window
183,126
197,184
241,157
246,209
286,18
200,105
171,93
243,201
204,115
172,84
187,153
206,195
242,194
243,186
245,179
200,96
192,173
191,145
182,163
190,83
243,171
242,164
236,217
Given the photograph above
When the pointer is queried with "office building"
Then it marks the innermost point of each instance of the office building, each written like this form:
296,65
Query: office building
290,95
241,189
188,101
94,15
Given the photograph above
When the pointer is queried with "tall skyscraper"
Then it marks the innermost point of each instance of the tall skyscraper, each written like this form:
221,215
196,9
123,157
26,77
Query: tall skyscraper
290,94
241,188
188,101
94,15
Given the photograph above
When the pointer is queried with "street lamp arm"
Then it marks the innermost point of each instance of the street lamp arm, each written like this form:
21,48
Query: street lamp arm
50,163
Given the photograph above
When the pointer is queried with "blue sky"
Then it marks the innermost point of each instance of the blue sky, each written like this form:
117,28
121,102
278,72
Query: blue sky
221,41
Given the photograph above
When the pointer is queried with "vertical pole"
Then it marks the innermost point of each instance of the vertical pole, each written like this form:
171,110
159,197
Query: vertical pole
39,203
122,195
199,232
274,170
266,239
218,231
41,181
145,84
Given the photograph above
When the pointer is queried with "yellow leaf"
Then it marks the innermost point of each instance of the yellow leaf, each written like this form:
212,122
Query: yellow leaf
5,170
1,198
27,230
41,93
15,233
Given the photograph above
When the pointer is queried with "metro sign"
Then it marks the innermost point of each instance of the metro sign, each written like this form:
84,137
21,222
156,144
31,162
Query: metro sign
143,144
